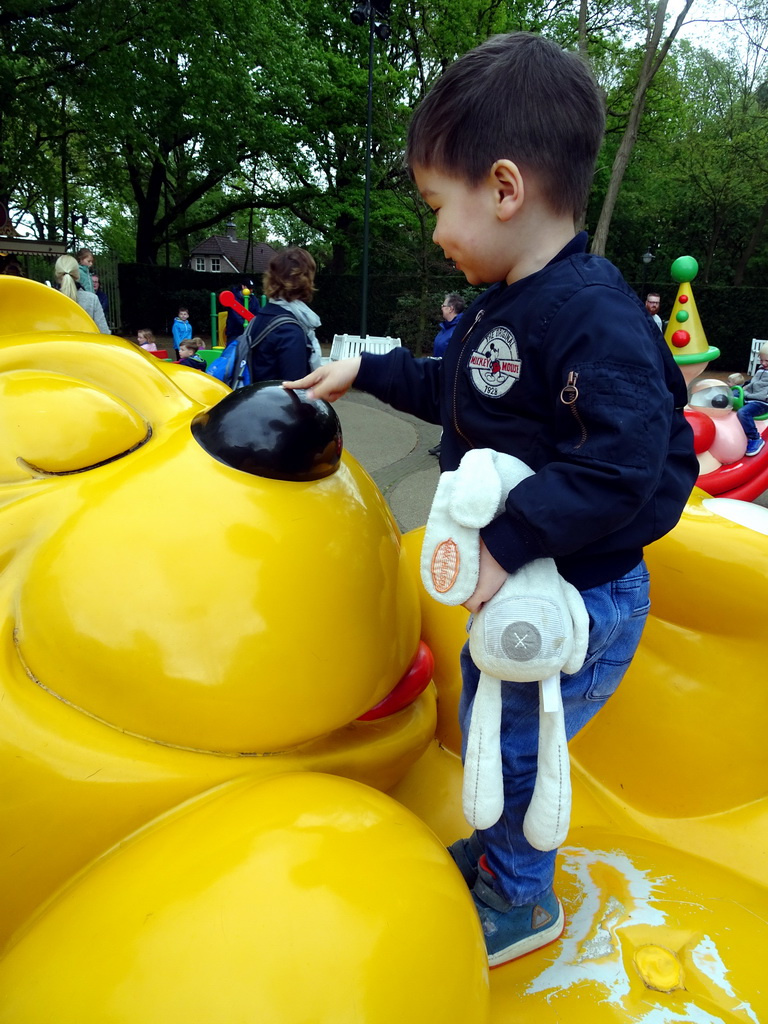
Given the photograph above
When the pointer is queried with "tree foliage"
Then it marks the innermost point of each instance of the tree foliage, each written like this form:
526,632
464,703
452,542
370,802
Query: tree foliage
160,121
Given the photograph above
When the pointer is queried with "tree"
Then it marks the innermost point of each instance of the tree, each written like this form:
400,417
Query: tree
183,125
653,55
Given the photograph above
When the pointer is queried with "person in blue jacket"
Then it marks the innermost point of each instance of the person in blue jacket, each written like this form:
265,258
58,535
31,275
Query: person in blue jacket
558,364
452,308
182,329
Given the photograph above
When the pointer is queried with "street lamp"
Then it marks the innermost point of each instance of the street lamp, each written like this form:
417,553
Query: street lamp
376,14
647,259
75,217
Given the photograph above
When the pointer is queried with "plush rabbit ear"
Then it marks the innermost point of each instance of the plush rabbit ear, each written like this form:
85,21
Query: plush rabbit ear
549,813
580,622
483,789
450,553
511,471
476,490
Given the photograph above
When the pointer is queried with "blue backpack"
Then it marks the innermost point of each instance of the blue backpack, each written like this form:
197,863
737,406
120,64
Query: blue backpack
234,365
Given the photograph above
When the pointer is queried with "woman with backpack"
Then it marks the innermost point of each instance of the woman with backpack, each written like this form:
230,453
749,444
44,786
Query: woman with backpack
279,343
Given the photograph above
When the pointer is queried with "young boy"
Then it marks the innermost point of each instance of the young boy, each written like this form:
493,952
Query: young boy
558,364
188,354
182,328
755,404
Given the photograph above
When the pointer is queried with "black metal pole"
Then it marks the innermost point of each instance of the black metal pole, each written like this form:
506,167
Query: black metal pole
367,207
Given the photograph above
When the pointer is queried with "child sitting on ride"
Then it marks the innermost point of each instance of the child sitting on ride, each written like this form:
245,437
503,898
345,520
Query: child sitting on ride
558,365
755,403
188,354
145,339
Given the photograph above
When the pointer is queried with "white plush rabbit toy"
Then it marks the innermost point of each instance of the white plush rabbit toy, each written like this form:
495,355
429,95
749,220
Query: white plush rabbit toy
535,627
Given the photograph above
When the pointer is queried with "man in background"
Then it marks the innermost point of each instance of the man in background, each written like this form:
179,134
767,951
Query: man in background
652,303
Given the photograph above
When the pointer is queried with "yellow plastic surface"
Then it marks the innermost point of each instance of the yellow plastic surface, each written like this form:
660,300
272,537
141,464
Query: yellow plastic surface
663,875
142,666
177,714
301,898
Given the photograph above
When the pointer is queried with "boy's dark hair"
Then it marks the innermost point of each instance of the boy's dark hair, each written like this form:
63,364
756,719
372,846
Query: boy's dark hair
517,97
183,309
193,343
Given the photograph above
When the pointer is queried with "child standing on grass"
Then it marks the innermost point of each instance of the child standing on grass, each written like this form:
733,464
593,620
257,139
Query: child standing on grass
558,364
182,329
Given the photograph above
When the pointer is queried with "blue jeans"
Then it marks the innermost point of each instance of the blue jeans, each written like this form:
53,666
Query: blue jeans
747,414
617,614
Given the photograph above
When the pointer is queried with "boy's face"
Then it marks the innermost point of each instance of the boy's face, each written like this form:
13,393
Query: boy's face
467,228
185,352
764,361
183,314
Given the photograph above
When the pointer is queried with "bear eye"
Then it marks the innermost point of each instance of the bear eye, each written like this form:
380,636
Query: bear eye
52,424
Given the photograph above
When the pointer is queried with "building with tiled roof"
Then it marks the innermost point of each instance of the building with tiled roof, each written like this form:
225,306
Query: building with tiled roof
228,254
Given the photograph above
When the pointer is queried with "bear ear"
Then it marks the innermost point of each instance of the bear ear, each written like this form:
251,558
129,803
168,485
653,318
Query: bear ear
52,424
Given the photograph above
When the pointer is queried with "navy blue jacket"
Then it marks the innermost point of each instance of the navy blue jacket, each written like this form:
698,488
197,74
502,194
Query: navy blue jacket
194,362
284,353
565,370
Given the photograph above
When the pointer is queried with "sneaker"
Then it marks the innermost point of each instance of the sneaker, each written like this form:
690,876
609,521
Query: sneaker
436,450
755,445
511,932
466,853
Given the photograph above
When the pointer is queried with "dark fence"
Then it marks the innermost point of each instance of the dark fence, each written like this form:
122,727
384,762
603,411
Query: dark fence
151,296
408,307
398,305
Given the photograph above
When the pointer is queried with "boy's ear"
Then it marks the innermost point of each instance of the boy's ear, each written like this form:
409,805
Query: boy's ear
507,182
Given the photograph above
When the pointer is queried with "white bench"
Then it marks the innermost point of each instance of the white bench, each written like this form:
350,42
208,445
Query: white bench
346,346
754,358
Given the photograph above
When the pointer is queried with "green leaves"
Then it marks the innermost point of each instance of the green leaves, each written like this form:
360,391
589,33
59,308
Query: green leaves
162,119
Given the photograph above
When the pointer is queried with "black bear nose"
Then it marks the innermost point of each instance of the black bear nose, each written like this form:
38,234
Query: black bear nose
269,431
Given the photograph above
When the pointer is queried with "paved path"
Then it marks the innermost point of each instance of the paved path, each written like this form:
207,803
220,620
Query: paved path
394,448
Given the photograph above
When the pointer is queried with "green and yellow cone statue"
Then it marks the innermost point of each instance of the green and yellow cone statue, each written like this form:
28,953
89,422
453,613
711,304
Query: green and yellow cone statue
684,334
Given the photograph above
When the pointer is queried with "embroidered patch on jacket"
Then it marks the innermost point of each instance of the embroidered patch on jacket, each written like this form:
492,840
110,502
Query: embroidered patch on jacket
494,365
445,566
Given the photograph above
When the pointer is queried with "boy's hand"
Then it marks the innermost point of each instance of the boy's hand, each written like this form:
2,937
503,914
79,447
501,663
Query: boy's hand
330,381
491,579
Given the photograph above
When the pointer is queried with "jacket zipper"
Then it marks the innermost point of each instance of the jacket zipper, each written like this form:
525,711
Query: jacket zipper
568,397
459,431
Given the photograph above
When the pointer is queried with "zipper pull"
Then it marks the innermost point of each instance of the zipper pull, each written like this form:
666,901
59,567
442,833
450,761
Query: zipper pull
478,318
570,392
